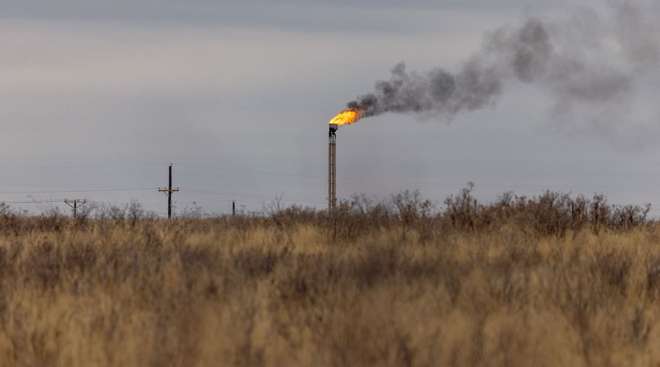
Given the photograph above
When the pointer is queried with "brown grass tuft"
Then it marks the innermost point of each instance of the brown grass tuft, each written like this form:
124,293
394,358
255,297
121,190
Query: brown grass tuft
541,281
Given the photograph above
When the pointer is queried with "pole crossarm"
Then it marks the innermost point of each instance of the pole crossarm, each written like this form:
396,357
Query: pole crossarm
166,190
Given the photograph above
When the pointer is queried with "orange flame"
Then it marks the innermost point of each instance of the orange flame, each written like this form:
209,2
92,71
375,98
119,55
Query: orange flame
346,117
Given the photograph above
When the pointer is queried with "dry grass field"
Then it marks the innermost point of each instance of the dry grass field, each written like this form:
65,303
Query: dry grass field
545,281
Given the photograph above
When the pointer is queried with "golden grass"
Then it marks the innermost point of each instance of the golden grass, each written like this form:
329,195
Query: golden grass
213,293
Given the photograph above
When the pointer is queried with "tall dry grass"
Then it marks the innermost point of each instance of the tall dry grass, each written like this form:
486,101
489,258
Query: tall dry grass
546,281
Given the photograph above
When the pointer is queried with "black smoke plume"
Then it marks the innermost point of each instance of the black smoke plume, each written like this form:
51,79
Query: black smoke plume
591,63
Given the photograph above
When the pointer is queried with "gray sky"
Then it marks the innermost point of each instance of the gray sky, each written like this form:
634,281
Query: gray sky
100,96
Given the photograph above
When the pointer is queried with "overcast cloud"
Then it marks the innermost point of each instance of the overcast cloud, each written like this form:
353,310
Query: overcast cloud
100,96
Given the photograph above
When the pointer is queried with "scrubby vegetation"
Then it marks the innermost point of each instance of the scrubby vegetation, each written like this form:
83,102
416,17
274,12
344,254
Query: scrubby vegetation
552,280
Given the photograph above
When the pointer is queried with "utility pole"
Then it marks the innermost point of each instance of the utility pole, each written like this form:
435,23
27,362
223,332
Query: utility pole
169,190
74,204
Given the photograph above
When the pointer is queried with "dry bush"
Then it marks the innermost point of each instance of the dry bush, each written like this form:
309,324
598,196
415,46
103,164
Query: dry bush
544,281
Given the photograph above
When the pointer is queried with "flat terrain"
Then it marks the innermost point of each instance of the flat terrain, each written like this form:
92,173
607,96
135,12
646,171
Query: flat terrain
518,283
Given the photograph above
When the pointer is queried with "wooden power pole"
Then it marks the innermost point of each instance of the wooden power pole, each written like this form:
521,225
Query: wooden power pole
74,204
169,190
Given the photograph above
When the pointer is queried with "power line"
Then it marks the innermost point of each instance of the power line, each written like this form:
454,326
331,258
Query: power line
74,191
238,195
36,202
